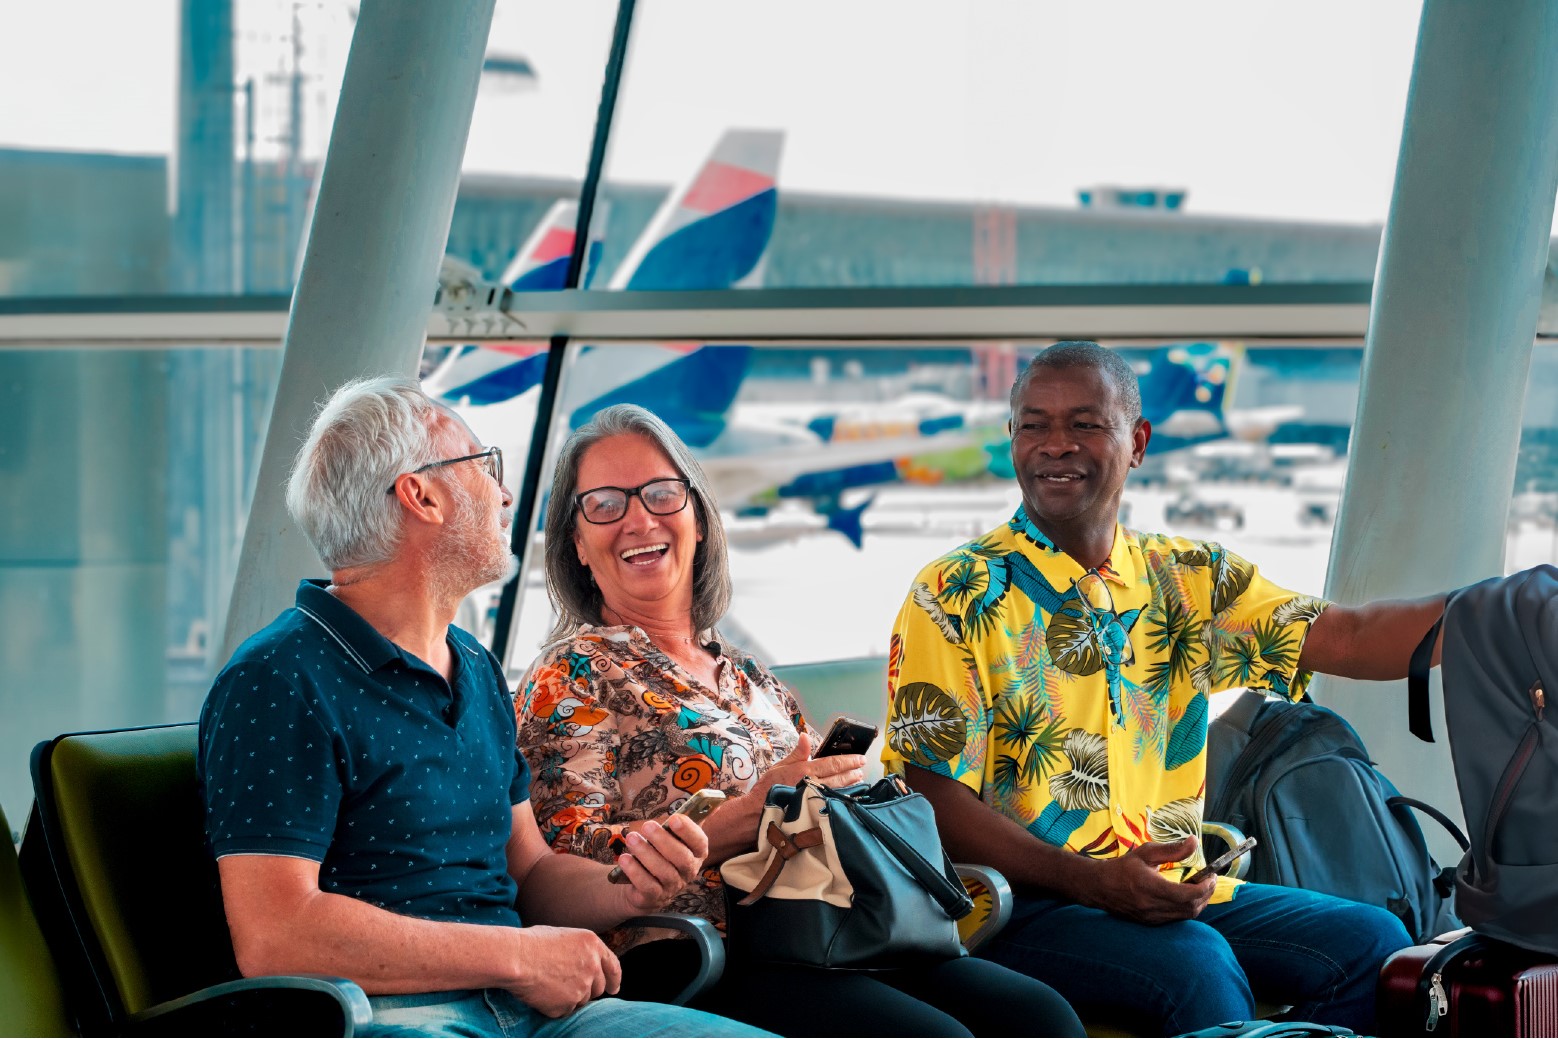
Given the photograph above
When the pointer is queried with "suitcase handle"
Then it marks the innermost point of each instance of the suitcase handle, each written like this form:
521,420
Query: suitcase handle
1451,946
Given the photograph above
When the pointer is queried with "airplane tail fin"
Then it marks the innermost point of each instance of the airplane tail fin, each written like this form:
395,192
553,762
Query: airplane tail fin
692,394
542,262
713,231
848,521
1189,377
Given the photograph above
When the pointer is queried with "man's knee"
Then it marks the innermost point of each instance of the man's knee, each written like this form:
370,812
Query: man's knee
1151,977
1372,932
1197,956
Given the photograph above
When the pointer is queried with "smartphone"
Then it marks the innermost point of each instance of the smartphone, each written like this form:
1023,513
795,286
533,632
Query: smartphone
697,808
846,736
1222,860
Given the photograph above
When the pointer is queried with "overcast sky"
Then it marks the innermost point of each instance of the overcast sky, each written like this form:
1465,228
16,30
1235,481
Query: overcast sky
1255,107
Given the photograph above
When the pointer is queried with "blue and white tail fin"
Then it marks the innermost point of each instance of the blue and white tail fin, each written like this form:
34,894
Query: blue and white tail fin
713,231
491,374
1186,388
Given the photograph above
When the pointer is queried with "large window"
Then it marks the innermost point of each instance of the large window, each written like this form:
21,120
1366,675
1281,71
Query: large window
131,471
921,143
842,469
186,162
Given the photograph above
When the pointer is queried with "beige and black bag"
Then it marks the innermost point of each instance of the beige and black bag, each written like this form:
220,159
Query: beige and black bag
851,878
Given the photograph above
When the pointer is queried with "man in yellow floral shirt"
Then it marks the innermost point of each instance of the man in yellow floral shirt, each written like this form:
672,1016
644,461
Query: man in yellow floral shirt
1048,688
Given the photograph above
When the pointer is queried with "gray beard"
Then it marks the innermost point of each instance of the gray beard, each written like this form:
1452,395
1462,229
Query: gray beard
474,553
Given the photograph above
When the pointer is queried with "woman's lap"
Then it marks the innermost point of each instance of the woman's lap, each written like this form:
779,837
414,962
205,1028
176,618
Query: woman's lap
954,997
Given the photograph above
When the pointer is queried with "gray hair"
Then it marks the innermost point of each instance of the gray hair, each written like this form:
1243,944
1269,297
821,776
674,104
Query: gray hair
367,434
576,597
1084,353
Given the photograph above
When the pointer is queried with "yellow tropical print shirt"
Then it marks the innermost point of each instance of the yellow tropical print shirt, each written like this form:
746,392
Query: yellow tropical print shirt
1082,714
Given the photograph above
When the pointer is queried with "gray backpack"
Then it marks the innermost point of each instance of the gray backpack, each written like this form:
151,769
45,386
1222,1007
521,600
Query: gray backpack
1500,654
1297,777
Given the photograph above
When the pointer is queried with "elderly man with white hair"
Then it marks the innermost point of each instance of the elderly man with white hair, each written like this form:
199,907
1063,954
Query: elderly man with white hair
369,813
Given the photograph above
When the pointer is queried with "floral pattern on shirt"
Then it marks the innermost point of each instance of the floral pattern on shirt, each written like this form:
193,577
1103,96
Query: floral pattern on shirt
1085,722
617,733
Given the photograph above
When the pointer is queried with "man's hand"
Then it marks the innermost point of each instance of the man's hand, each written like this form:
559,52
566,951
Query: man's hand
564,968
1131,886
661,860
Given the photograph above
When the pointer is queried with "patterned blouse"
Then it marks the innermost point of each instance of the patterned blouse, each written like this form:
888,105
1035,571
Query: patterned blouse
616,733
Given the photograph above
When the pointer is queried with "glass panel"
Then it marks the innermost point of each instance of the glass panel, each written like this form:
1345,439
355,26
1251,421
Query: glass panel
494,388
920,143
1533,511
109,192
841,470
137,468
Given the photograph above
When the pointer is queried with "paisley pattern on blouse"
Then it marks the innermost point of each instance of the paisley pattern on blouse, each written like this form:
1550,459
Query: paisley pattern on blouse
617,733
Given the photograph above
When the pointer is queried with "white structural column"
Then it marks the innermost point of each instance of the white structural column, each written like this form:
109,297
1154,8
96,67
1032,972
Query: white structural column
1449,344
380,226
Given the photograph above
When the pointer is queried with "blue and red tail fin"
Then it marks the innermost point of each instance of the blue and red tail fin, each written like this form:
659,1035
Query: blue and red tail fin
713,231
542,262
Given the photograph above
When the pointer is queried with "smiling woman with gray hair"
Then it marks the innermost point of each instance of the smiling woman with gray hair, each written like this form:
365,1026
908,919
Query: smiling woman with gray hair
638,702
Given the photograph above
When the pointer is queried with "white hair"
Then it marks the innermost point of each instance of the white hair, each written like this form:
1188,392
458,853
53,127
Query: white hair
368,433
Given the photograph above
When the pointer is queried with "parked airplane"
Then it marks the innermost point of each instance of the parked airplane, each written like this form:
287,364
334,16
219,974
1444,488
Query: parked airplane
713,233
710,234
1184,388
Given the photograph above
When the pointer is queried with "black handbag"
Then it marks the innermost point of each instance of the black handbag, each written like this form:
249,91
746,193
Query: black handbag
852,878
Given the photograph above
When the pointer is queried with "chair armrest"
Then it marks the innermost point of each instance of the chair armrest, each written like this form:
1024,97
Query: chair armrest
1233,837
711,949
279,1004
992,897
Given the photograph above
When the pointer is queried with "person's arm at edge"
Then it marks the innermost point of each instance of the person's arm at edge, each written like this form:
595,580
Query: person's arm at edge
1373,641
1128,886
282,923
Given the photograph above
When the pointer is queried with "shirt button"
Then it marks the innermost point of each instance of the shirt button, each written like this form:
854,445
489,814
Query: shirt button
1118,810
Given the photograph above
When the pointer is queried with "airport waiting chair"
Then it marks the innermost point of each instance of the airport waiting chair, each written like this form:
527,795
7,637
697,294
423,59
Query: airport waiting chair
118,840
32,998
115,859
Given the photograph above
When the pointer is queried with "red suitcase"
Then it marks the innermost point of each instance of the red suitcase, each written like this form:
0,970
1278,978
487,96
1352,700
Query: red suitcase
1462,984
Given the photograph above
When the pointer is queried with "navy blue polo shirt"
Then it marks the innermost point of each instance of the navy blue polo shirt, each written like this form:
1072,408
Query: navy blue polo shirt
321,739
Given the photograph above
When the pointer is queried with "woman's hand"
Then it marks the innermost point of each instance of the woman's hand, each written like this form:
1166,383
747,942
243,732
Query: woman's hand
732,827
661,860
834,770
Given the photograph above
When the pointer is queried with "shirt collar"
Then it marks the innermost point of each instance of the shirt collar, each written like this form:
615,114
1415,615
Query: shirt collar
360,640
1121,568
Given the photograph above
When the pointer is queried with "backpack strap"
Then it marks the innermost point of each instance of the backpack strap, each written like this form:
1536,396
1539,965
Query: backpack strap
1241,713
1433,813
1418,719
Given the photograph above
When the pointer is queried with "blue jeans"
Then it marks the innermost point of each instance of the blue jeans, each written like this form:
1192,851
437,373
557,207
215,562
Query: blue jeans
494,1012
1317,953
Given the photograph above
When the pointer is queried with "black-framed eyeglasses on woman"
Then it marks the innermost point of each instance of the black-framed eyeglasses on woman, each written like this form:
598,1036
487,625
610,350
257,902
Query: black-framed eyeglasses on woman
609,504
492,461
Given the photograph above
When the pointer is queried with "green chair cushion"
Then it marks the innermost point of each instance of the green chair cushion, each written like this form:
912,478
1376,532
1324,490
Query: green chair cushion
32,1002
130,810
